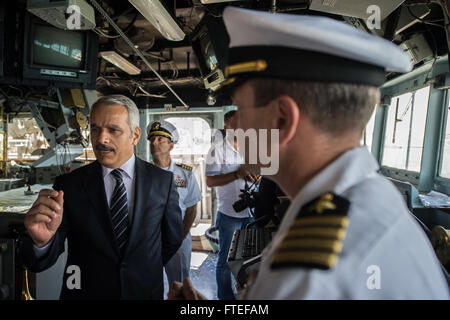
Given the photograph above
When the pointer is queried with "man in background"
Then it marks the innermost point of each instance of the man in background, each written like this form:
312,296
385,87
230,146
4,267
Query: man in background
162,136
224,171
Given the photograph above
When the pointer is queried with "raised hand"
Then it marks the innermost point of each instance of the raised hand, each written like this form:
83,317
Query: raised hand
44,218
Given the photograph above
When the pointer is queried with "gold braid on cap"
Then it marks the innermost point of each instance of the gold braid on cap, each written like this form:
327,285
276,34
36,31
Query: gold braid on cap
160,133
243,67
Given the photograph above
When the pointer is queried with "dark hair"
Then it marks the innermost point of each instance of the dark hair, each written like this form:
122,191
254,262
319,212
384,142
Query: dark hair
334,108
227,116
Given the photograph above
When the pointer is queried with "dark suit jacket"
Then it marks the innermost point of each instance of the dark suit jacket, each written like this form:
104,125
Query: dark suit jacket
155,235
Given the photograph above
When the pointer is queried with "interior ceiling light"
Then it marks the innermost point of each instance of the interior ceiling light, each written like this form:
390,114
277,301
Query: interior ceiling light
120,62
155,12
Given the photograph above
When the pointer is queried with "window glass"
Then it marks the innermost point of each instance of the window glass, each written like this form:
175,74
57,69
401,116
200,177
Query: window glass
191,149
405,130
368,132
445,166
194,136
26,141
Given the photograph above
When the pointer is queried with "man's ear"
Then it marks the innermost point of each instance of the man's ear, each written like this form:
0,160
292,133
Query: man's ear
136,135
287,118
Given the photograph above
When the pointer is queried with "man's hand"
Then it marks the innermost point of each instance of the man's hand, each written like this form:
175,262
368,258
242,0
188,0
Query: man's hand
184,291
44,218
249,172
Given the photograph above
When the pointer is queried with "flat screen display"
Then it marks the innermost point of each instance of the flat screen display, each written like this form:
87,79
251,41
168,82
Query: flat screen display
208,52
58,48
205,53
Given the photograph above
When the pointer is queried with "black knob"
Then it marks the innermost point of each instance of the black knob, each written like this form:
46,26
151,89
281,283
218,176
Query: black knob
4,292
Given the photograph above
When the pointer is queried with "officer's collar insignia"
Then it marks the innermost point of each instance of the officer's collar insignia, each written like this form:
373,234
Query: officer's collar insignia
315,238
156,126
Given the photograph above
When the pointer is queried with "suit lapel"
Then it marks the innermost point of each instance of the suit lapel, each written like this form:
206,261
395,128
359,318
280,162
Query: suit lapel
142,191
95,187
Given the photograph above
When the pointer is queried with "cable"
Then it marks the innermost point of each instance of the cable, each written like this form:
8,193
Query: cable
149,94
26,293
214,14
21,92
136,50
423,21
101,34
409,104
127,28
3,92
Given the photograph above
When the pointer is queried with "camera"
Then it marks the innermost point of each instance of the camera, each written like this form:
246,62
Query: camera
248,199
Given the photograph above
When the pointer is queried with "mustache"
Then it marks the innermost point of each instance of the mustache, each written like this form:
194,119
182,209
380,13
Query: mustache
103,147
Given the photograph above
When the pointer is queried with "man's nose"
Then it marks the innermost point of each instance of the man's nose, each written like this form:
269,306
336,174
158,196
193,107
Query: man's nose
103,136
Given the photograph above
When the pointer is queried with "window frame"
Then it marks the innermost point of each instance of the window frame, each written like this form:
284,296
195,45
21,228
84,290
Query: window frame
399,173
442,184
432,147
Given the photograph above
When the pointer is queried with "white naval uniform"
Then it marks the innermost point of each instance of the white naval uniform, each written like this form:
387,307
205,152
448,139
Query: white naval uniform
177,268
381,233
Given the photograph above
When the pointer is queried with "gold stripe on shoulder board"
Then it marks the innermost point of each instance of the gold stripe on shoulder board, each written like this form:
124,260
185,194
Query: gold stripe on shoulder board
184,166
331,233
315,238
291,245
329,220
300,258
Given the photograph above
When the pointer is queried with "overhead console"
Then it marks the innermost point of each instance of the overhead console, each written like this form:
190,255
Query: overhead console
210,44
34,52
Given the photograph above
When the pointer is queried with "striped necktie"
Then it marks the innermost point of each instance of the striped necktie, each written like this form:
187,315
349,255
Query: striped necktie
119,211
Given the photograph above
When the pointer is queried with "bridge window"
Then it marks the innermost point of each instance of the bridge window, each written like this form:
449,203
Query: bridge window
445,166
368,132
194,136
405,130
26,141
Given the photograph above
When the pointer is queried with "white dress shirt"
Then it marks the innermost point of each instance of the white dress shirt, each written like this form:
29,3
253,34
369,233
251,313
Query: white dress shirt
128,176
223,159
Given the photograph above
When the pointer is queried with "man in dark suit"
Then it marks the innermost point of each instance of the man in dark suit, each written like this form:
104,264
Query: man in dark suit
121,215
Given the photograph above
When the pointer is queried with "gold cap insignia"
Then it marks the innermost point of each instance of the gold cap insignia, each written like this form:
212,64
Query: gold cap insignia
156,126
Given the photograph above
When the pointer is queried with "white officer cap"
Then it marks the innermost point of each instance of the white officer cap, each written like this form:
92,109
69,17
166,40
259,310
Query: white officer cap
164,129
309,48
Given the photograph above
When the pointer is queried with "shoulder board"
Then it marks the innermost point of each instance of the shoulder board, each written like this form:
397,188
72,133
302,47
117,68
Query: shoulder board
316,236
184,166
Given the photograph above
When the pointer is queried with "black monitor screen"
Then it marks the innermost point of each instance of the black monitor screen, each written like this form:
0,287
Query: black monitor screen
58,48
208,53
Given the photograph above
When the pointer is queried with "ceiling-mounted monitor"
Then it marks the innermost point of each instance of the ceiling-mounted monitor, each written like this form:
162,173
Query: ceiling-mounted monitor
63,58
210,44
